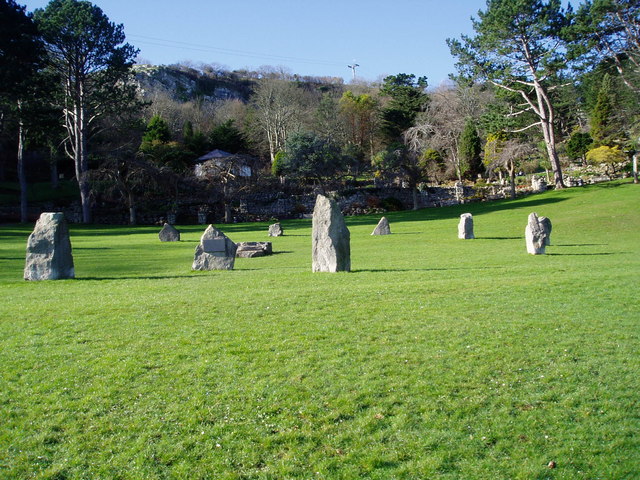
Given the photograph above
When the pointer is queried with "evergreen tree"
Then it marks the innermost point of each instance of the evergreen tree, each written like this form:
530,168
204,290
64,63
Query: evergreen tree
602,121
470,147
94,65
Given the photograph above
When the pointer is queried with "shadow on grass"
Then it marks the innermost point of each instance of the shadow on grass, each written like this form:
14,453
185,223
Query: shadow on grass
583,254
145,277
499,238
390,270
580,245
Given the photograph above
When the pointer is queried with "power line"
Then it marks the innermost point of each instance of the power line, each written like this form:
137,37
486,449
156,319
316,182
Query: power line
161,42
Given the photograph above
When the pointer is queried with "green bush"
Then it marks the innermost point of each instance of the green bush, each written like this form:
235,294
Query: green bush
392,204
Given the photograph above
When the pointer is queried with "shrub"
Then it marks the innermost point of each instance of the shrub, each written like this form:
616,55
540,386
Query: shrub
392,204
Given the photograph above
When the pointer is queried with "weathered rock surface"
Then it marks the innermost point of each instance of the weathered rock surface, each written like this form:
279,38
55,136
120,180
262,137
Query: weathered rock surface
538,184
331,240
49,254
535,235
215,251
465,227
546,226
275,230
382,228
169,234
253,249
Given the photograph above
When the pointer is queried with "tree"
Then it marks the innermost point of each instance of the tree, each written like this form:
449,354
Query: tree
407,99
157,131
21,58
604,128
406,161
360,113
608,156
578,145
469,148
608,31
519,47
228,137
310,156
89,54
506,154
275,102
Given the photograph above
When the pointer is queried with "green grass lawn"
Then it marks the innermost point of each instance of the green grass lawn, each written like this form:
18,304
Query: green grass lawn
434,358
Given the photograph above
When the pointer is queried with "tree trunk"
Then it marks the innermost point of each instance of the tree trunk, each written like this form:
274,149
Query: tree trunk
22,178
53,173
133,210
512,182
415,197
227,213
635,168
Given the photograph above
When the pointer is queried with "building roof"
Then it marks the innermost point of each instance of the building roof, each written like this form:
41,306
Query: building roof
214,154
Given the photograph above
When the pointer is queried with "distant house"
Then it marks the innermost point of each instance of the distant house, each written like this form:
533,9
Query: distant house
218,161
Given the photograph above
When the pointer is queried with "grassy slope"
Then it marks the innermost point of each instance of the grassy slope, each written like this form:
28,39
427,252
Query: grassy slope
435,358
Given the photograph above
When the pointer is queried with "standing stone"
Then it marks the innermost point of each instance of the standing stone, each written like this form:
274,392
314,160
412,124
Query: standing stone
169,234
215,251
546,226
465,227
535,235
253,249
382,228
331,248
275,230
49,249
538,184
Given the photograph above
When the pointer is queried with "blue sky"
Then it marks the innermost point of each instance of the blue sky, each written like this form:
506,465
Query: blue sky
307,37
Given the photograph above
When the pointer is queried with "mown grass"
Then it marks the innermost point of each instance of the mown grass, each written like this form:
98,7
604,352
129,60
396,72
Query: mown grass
434,358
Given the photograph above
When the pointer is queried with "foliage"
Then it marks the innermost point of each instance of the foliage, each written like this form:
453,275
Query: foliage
93,62
470,147
519,47
21,49
605,154
227,137
157,131
603,126
608,32
144,369
360,112
578,145
408,98
308,155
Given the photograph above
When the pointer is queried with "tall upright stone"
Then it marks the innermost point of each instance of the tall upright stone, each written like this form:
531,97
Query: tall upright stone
382,228
215,251
546,225
49,249
331,240
275,230
535,235
465,227
169,233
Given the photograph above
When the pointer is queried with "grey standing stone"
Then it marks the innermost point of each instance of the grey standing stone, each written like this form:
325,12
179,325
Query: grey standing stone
546,225
275,230
382,228
538,184
535,236
253,249
49,249
465,227
169,234
331,247
215,251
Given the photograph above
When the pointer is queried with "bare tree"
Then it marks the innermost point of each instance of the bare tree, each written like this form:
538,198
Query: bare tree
276,103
